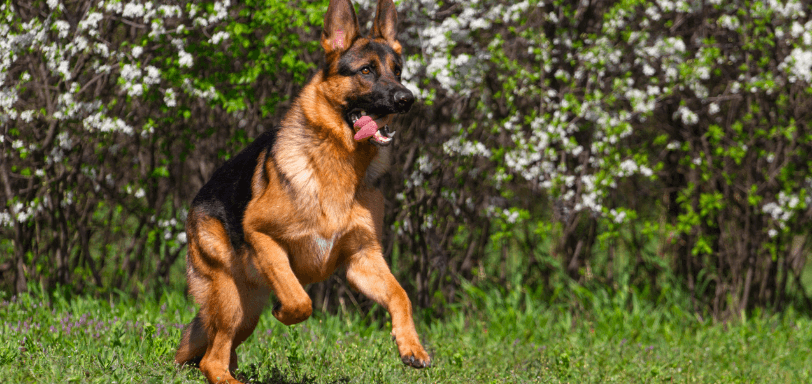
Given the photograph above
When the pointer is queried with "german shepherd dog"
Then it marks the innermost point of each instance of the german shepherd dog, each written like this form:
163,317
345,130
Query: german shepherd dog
298,203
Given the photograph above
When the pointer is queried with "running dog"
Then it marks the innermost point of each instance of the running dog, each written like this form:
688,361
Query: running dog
298,203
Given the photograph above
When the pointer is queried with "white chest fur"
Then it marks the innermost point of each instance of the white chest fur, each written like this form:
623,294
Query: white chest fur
322,246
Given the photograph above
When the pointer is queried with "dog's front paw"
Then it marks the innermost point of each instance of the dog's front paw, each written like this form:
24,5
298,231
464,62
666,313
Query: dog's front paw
415,356
293,314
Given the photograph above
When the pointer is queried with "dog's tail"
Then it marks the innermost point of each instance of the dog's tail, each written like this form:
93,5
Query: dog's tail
193,343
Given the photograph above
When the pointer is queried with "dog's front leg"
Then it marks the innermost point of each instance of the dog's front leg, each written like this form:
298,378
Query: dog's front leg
272,261
368,273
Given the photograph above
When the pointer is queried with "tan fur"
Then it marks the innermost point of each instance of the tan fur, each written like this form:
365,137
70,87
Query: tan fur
312,210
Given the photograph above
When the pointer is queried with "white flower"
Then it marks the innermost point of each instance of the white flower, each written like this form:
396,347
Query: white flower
479,23
797,29
130,72
773,210
628,167
99,121
671,74
62,27
64,69
137,50
64,140
703,73
153,75
7,98
619,216
688,117
80,44
735,87
101,49
713,108
133,10
169,11
800,65
218,37
511,217
169,98
135,90
729,22
26,116
91,21
793,202
653,13
185,59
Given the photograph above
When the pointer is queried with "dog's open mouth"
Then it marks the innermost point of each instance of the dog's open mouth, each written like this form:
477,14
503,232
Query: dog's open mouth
369,127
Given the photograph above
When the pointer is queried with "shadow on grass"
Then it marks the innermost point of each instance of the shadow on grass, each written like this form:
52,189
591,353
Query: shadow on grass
252,374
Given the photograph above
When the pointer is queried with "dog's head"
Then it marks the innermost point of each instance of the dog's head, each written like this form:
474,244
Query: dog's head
364,72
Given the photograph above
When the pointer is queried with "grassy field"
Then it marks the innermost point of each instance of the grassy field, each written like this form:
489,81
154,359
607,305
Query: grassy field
495,336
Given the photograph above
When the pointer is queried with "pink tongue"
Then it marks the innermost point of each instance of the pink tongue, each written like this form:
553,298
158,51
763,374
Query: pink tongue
368,128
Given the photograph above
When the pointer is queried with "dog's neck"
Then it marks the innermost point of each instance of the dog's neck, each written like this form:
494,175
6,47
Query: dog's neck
316,154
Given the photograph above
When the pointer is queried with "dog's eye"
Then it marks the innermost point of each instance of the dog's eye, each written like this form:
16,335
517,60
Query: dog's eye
366,70
397,72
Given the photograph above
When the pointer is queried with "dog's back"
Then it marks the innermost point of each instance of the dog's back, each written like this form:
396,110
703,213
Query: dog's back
225,196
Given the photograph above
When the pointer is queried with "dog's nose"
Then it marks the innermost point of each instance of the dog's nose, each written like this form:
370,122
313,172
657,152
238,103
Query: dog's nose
403,100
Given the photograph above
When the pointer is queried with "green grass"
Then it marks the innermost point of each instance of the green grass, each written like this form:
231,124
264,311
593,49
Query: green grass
494,336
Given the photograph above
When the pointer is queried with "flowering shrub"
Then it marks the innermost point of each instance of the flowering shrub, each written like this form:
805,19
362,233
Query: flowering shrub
623,124
550,137
104,106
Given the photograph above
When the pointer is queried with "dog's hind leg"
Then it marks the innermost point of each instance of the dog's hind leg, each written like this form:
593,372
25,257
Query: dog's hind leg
225,317
211,267
253,301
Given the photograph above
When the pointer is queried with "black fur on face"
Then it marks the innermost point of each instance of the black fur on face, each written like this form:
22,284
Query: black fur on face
375,70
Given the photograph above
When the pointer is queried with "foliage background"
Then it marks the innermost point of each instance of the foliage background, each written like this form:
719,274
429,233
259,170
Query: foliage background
646,146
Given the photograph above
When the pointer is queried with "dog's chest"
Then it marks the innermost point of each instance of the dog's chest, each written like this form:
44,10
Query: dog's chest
313,258
321,246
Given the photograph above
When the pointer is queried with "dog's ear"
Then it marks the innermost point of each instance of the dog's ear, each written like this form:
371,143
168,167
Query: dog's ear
386,24
340,27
